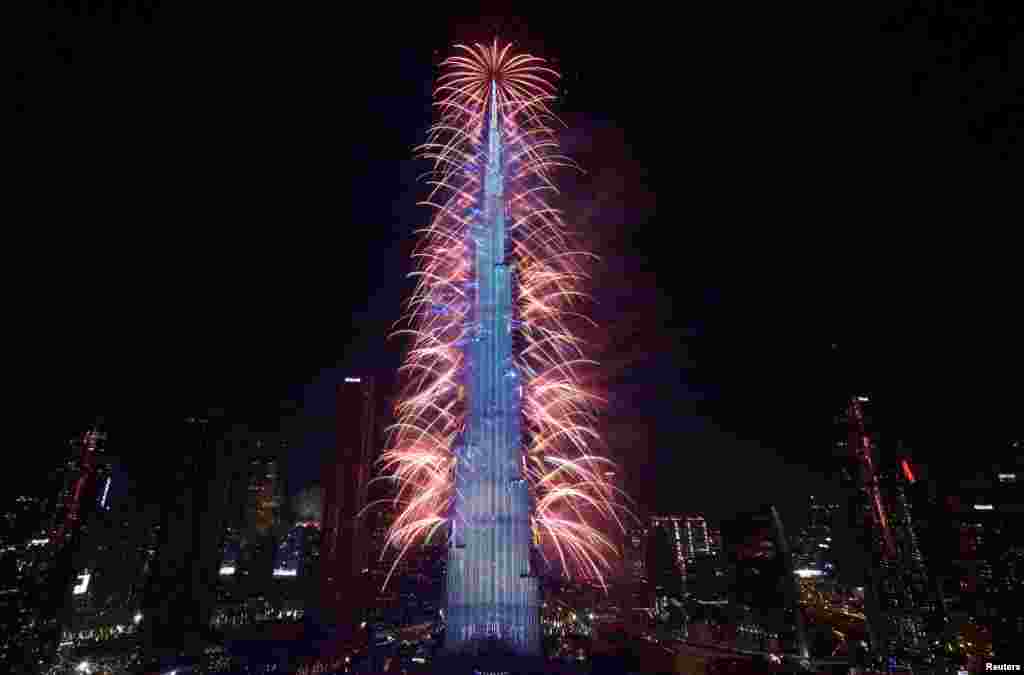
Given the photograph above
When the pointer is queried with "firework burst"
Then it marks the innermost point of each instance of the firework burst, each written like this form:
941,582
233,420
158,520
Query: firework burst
480,86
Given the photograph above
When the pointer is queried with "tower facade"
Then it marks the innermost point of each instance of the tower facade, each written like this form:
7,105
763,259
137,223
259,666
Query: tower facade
492,597
495,441
763,581
813,551
343,536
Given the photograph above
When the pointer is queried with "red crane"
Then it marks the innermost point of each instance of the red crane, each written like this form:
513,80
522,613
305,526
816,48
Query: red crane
72,505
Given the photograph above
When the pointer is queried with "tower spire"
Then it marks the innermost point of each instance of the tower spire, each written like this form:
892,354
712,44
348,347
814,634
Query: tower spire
492,597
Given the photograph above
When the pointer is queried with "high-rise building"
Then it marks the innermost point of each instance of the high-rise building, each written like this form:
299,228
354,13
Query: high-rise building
984,548
190,484
698,542
763,585
83,473
680,557
262,545
813,546
264,524
664,561
902,597
870,507
707,572
492,596
489,388
344,548
688,536
53,577
674,528
907,592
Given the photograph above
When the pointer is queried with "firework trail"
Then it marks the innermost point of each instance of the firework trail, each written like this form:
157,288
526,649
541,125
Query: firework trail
482,86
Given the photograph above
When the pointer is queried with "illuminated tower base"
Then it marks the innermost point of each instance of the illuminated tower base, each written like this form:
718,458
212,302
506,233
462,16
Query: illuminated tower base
492,598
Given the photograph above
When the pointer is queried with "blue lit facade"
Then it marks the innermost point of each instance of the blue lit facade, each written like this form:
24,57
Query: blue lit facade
492,597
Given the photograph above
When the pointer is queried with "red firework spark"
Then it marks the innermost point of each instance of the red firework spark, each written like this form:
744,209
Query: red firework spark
567,476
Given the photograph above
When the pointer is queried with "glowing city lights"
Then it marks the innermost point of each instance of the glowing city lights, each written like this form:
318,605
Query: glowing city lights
806,574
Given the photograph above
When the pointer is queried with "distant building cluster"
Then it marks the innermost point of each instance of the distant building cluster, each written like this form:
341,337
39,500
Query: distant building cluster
95,568
86,568
942,588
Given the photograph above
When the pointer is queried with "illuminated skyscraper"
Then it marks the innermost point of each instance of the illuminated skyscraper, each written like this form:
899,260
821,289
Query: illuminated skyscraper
495,440
674,529
255,522
491,592
688,536
697,541
82,477
264,523
902,602
876,533
665,561
983,548
813,550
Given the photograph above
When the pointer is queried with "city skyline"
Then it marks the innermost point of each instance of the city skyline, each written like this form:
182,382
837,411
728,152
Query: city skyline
787,211
985,562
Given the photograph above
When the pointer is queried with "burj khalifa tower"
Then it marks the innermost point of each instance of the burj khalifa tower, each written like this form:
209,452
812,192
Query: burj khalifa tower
495,441
492,597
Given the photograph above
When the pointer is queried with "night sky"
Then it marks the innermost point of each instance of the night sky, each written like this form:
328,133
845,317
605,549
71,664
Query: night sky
220,213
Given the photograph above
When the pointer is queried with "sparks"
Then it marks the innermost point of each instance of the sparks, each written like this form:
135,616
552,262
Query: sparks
567,478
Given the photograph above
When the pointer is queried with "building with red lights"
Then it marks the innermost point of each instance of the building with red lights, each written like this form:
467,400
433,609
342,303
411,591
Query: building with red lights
51,579
983,563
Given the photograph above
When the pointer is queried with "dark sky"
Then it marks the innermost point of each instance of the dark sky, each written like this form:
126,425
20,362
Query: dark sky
221,210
